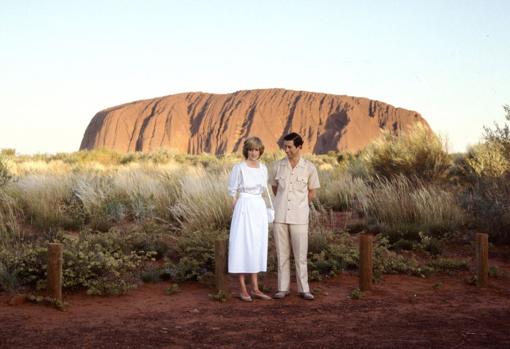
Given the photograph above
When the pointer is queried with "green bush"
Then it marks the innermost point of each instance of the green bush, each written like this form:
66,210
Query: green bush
102,263
9,278
329,254
448,264
389,262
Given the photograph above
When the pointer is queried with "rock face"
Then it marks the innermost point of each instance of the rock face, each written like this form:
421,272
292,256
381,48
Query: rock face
218,123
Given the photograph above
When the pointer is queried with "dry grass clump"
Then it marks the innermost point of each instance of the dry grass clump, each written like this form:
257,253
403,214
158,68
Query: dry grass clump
10,214
418,153
41,197
341,191
203,203
403,208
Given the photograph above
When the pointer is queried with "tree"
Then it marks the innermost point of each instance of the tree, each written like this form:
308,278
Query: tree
500,134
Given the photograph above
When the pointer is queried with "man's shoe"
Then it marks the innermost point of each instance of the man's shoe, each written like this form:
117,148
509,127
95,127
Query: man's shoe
280,294
307,295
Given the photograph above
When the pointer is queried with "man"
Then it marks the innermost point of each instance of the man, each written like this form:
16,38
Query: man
294,182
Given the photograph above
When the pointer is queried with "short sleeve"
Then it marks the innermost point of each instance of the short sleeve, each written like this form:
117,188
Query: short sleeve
265,173
234,180
313,178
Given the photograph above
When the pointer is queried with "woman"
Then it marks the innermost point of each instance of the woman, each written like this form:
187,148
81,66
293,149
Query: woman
249,227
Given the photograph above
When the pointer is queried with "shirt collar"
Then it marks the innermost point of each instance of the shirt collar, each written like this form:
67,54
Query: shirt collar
301,162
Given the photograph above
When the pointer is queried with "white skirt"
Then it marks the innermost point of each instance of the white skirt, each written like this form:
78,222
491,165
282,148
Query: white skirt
247,248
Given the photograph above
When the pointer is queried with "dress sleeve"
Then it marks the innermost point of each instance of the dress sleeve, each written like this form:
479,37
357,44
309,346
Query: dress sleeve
234,181
265,174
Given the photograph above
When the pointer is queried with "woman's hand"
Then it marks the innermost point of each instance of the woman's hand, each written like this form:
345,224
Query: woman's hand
234,200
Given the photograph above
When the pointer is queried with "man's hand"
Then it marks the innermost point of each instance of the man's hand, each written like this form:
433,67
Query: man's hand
311,195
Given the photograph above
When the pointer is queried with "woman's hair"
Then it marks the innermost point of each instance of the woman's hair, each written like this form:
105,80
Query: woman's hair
252,143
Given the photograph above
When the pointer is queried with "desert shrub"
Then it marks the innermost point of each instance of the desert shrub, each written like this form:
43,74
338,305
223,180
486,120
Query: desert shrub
151,275
329,254
487,160
103,156
487,202
418,153
8,152
9,279
196,255
102,263
500,134
448,264
424,242
389,262
147,238
403,208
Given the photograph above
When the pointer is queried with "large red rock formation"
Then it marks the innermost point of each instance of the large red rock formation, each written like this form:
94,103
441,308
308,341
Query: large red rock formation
218,123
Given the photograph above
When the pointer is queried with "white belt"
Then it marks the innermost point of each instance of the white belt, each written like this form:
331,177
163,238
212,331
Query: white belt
248,195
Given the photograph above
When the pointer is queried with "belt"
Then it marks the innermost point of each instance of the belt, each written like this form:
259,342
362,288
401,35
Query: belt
248,195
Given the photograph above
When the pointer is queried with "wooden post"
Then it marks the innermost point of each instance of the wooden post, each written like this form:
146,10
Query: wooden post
482,259
365,262
55,259
221,257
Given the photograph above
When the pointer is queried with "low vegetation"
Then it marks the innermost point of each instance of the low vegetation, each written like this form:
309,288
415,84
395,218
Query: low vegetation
131,218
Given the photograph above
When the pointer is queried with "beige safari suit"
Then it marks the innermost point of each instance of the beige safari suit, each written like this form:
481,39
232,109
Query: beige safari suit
291,219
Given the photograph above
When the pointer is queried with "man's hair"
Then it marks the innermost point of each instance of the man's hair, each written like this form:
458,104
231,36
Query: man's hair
252,143
295,137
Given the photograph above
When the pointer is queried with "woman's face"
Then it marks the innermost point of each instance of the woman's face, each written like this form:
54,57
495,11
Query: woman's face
253,154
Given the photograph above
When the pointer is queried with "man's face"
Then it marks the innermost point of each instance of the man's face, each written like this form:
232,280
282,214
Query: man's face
290,149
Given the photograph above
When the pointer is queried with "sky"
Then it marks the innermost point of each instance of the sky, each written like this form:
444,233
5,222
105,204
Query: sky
63,61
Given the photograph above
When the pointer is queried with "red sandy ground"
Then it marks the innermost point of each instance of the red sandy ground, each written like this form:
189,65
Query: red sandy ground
402,312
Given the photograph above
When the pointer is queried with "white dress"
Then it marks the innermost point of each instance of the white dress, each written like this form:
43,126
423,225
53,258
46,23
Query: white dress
249,227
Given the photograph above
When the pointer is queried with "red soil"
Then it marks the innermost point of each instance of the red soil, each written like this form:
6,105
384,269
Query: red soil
402,312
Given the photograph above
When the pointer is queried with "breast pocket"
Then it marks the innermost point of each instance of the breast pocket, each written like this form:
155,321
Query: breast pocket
301,184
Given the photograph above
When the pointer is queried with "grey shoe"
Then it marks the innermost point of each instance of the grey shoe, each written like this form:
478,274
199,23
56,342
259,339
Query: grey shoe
307,295
281,294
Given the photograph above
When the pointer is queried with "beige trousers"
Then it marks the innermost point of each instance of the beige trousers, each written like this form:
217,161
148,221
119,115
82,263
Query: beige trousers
285,237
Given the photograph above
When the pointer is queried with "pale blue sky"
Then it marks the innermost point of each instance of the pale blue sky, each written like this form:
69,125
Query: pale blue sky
63,61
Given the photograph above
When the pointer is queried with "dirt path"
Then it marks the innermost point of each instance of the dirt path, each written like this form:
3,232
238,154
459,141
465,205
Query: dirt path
402,312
